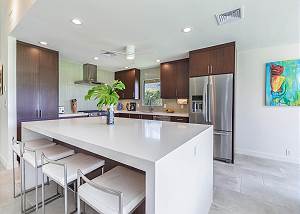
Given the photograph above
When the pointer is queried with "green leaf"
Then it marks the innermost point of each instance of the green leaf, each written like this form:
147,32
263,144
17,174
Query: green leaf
105,94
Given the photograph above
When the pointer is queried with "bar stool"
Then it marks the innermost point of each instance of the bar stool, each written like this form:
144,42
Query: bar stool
118,191
16,151
32,158
64,171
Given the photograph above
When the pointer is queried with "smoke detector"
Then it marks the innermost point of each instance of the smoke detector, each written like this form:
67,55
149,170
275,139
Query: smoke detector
230,16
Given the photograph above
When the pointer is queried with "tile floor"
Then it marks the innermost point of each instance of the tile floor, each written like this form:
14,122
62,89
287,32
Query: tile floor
250,186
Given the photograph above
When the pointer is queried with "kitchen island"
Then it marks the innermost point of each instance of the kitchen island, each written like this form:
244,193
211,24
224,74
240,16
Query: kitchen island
177,158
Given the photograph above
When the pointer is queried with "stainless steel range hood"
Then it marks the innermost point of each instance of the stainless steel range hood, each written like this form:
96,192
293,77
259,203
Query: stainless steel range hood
89,75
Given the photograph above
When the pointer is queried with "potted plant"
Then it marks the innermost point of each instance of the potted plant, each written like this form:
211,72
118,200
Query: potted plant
106,95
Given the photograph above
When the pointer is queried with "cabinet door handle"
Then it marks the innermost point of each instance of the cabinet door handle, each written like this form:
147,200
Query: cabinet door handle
208,69
40,113
37,114
211,69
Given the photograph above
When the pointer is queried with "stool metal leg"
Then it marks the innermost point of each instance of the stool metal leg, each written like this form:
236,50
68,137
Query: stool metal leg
78,198
24,185
21,190
66,190
14,174
43,194
36,184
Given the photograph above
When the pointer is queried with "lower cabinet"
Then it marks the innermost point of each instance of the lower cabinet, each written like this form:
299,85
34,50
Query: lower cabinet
153,117
180,119
125,115
135,116
146,117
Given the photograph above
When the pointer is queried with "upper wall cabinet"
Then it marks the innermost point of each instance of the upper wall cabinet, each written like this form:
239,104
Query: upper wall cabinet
174,79
215,60
131,79
37,83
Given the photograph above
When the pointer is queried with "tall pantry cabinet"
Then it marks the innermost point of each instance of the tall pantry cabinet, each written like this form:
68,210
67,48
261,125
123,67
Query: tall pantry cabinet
37,84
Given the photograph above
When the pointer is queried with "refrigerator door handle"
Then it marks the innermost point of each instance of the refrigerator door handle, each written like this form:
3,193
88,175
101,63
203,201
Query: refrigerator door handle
221,133
209,100
207,103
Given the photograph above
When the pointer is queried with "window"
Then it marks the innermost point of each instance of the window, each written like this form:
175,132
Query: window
152,92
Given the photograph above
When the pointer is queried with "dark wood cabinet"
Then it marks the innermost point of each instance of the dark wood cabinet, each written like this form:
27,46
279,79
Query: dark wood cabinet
37,84
153,117
125,115
174,79
131,79
135,116
180,119
214,60
146,116
48,84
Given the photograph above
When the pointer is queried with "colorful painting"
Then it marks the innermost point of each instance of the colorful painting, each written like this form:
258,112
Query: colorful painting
283,83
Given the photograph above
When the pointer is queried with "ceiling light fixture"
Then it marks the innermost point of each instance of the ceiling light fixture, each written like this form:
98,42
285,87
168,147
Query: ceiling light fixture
44,43
158,60
130,52
186,29
77,21
126,67
96,58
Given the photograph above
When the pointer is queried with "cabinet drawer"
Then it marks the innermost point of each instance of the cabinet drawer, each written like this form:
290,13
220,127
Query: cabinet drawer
180,119
146,117
125,115
135,116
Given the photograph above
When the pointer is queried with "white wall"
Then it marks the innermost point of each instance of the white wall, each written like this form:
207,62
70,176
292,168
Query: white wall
69,72
261,130
11,12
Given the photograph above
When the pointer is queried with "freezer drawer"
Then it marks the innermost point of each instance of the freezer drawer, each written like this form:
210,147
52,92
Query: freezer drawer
223,145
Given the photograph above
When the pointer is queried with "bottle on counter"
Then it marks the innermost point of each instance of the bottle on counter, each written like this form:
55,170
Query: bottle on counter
74,106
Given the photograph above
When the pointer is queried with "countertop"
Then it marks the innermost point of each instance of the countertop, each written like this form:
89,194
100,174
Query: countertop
145,140
175,114
78,114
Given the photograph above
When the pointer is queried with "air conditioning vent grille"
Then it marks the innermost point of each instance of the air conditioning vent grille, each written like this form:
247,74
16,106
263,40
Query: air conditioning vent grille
230,16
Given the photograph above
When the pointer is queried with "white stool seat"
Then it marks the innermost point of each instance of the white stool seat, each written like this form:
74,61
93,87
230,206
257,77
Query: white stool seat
55,152
34,145
85,163
130,183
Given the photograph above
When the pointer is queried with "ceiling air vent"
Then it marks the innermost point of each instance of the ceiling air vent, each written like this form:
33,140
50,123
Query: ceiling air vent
230,16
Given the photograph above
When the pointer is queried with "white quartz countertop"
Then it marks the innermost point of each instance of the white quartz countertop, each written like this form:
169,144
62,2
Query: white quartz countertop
143,139
175,114
78,114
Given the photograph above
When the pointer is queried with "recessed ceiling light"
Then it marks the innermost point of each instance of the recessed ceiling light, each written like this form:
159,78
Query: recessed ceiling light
126,67
158,60
77,21
44,43
186,29
96,58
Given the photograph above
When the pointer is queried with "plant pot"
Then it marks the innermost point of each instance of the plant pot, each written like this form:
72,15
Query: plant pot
110,117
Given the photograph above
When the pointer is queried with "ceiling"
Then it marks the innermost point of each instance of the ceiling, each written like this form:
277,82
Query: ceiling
154,27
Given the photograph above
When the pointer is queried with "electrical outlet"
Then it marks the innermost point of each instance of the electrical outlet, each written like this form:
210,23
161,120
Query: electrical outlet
287,152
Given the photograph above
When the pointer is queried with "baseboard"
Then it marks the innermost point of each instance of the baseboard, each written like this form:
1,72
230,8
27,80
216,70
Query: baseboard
267,156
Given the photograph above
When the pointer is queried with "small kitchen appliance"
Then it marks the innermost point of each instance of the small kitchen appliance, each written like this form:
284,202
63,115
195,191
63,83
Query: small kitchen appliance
61,109
131,106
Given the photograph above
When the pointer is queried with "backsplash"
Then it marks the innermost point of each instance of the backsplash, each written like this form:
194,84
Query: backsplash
170,103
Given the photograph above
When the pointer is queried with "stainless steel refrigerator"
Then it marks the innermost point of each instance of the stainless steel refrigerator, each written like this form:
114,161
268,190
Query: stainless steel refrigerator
212,103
